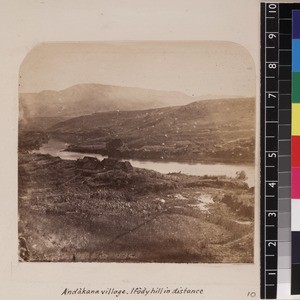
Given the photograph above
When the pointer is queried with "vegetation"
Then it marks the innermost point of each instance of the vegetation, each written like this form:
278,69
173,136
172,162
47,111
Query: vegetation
108,211
31,140
204,131
99,211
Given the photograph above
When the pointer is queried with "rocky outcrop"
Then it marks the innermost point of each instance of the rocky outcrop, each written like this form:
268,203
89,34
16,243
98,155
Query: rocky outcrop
92,163
88,163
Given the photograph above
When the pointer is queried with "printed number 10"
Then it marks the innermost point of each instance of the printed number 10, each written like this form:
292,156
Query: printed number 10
251,294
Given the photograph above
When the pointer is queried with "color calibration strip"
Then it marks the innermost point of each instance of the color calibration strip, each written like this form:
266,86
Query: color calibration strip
276,165
269,148
284,150
295,152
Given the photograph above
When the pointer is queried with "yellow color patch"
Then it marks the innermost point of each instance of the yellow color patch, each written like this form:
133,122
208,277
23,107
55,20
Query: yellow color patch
296,119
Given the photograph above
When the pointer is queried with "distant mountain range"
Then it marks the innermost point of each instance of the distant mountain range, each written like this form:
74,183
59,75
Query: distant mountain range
44,109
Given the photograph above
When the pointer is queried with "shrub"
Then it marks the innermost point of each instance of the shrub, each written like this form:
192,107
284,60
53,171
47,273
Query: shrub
241,175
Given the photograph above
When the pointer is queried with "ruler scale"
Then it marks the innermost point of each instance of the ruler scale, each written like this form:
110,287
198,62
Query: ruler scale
269,155
262,154
295,187
276,93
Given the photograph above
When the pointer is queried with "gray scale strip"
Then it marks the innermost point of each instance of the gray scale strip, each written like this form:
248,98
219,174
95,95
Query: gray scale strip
284,262
284,201
284,234
284,219
284,206
284,249
285,147
284,276
285,164
284,192
284,131
285,179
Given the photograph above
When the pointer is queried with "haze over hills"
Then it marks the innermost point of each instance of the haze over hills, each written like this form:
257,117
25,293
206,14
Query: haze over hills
84,99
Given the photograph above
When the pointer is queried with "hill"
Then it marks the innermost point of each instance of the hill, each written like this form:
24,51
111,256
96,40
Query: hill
220,130
82,99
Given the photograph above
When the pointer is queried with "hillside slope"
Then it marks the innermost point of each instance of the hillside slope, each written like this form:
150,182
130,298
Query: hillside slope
222,129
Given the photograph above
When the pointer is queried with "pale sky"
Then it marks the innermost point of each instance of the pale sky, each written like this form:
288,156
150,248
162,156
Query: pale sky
194,68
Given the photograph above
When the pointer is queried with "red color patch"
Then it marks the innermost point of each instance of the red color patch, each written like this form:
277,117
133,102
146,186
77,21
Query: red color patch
296,151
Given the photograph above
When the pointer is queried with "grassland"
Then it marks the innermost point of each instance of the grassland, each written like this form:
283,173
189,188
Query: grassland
75,212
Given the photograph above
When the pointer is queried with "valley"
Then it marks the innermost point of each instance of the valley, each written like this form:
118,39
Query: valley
103,178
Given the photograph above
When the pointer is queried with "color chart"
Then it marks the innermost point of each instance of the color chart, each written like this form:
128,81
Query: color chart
295,154
280,71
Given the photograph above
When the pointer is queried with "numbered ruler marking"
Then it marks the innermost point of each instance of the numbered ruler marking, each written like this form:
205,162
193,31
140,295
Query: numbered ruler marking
269,148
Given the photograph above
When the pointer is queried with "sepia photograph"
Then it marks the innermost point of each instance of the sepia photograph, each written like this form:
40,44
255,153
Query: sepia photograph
140,152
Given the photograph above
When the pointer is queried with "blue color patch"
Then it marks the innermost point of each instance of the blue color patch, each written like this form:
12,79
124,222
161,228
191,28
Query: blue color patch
296,55
296,24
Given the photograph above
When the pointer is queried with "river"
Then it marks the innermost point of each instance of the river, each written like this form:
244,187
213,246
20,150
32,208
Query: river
55,148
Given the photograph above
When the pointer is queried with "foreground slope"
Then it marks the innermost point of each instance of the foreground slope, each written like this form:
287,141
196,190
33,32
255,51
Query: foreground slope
70,211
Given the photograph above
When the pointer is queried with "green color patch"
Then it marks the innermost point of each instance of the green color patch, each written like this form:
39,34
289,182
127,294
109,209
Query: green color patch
296,87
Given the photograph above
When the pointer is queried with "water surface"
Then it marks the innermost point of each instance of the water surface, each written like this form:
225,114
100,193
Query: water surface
56,148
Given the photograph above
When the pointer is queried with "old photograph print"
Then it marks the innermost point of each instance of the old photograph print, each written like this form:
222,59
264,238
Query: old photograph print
136,152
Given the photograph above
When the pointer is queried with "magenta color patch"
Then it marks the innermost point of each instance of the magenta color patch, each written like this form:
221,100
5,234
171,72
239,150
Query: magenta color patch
296,183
